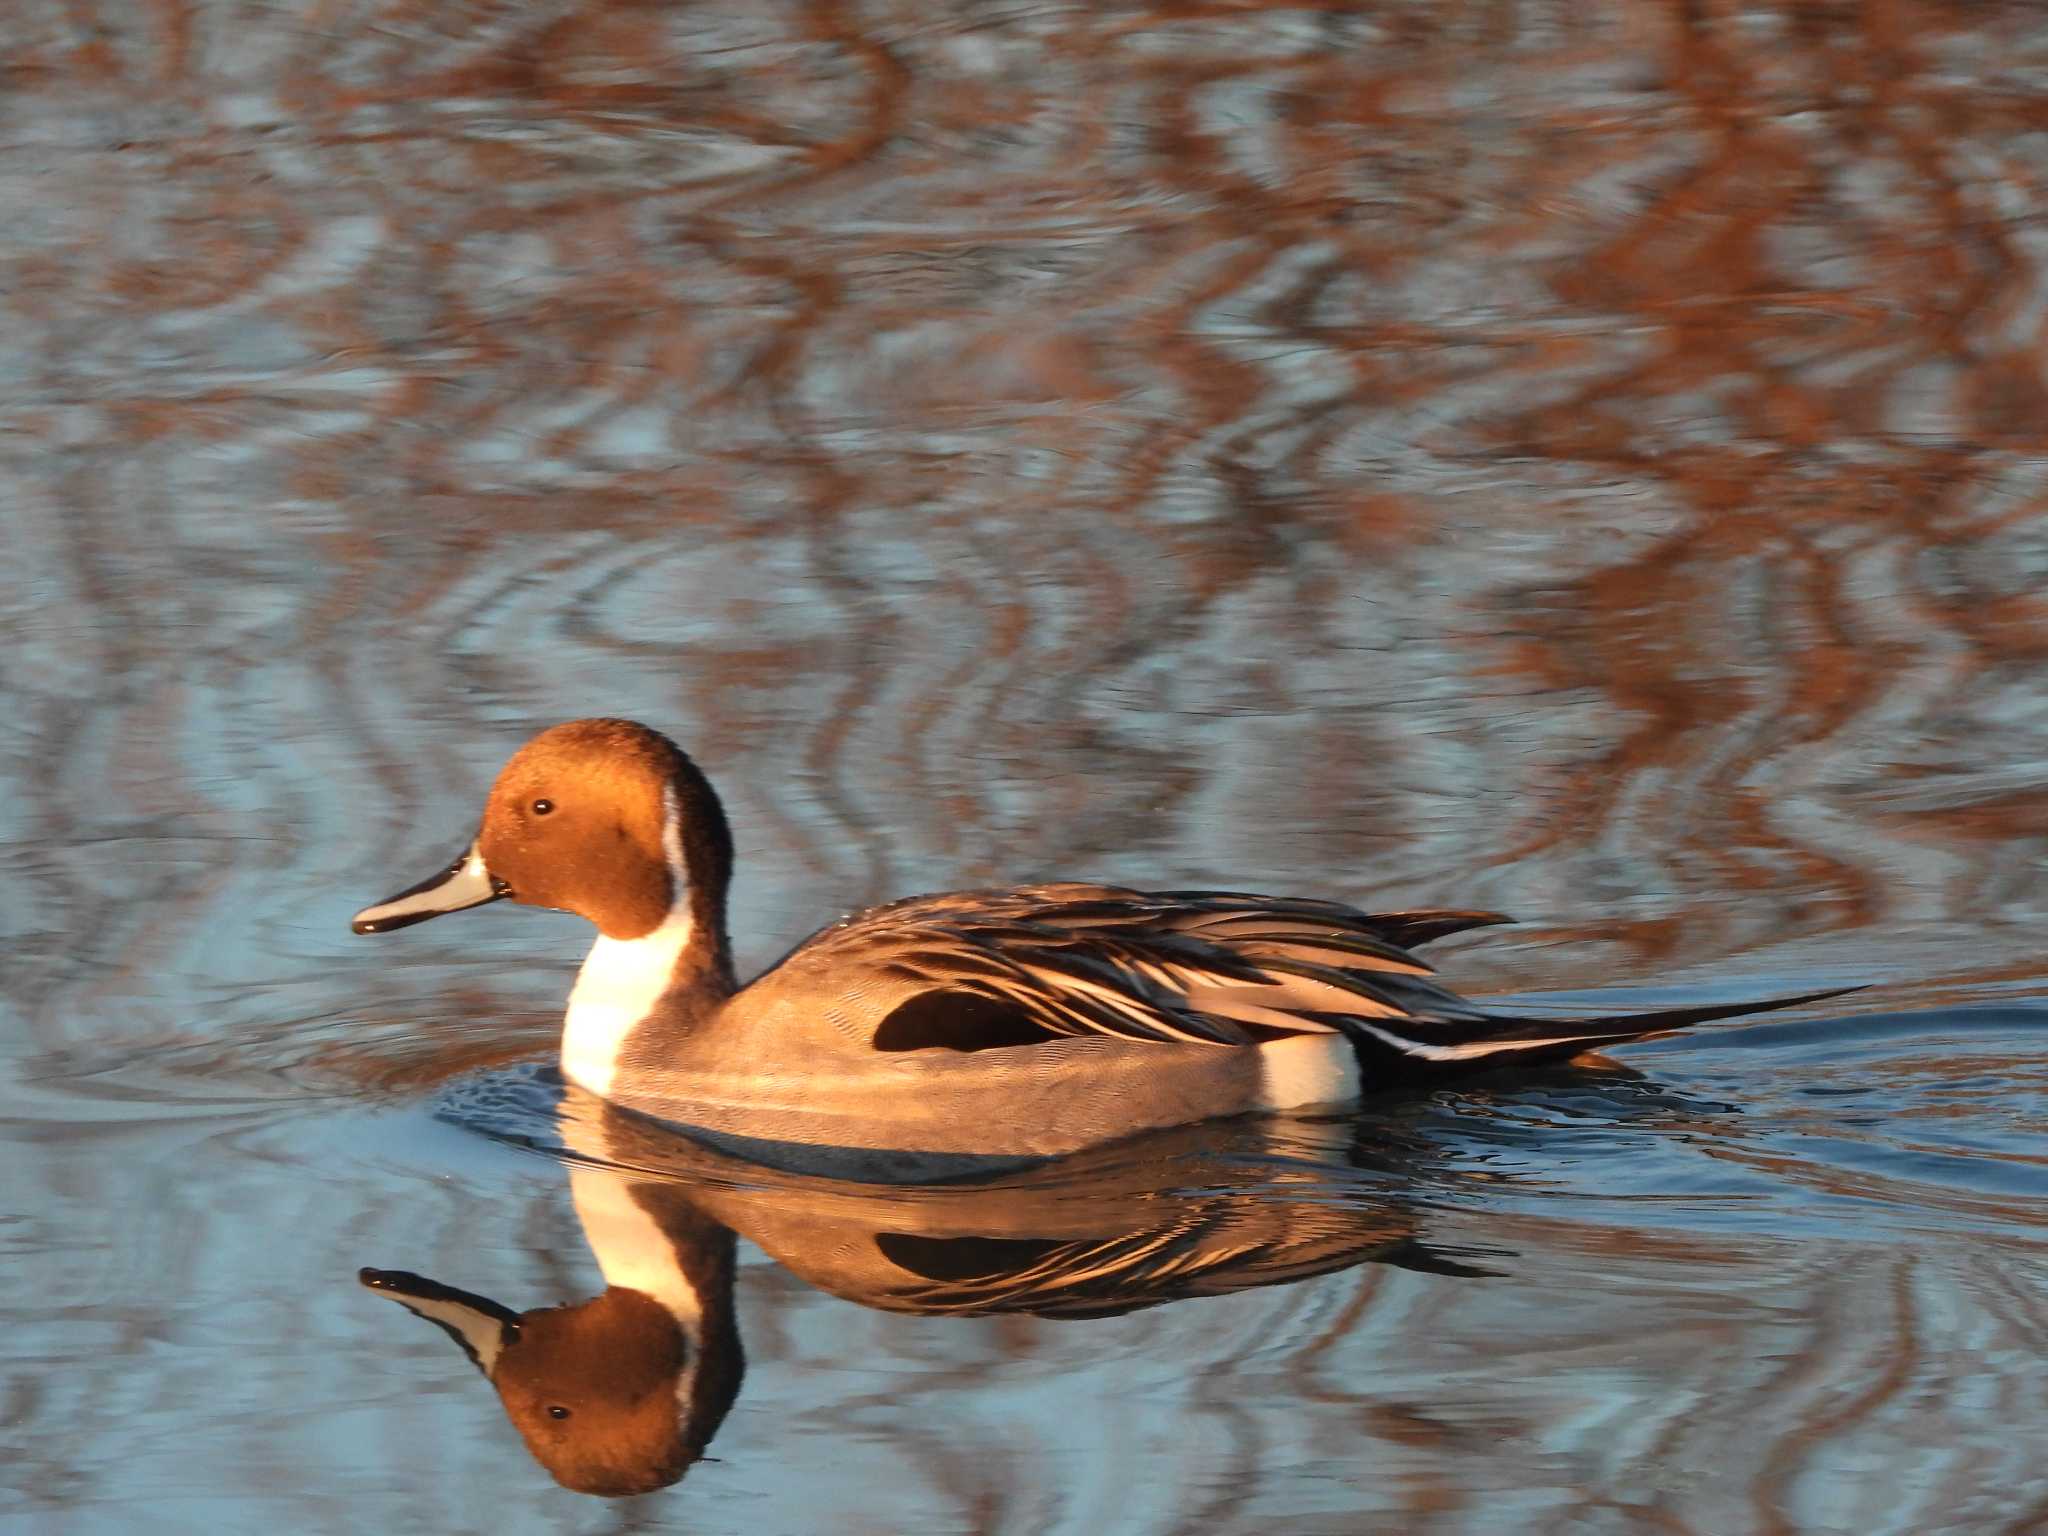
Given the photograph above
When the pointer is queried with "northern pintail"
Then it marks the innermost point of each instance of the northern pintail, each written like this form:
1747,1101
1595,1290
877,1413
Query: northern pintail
1002,1024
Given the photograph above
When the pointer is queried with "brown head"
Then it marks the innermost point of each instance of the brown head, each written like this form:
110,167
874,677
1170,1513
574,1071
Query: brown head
613,1395
603,818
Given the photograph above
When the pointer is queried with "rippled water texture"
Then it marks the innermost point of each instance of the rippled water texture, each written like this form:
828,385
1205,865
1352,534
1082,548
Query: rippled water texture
1579,459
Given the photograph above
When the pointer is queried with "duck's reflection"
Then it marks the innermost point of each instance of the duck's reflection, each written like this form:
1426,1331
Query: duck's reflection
618,1394
621,1393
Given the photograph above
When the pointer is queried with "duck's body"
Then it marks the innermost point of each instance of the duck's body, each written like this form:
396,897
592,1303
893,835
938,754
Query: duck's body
1009,1023
886,1030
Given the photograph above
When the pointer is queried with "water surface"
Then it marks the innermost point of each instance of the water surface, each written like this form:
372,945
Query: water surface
1584,461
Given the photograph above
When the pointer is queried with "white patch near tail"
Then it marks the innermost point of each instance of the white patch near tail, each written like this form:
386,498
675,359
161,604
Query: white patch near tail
622,979
1309,1069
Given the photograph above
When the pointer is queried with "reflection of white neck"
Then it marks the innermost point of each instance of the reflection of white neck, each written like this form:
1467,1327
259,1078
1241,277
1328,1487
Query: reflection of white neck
632,1250
630,1246
622,979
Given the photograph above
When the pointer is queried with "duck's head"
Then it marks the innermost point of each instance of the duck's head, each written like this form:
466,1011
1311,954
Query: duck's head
613,1395
604,818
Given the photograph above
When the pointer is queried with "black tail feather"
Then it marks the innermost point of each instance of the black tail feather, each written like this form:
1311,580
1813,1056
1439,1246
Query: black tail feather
1410,930
1396,1049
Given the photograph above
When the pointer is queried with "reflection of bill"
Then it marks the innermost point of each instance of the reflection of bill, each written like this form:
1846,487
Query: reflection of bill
621,1393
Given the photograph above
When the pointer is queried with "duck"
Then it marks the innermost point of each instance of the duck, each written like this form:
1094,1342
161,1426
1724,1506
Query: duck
1002,1025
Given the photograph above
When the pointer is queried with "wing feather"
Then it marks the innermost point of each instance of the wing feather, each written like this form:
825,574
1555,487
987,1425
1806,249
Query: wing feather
1212,968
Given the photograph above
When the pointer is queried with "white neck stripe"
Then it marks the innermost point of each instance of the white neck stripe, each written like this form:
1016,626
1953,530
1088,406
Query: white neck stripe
623,979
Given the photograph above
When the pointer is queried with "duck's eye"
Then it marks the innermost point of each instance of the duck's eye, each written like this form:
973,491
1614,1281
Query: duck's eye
557,1411
541,808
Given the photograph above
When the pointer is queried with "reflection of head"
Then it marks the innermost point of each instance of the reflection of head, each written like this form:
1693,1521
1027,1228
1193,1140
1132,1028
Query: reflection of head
616,1395
604,1393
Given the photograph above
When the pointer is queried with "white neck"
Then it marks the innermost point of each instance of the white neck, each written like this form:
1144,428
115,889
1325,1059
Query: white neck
623,979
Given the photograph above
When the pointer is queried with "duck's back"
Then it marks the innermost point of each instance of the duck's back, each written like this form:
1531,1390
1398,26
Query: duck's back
1073,959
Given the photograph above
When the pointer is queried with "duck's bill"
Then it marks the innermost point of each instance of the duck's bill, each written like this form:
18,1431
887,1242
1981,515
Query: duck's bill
480,1325
465,883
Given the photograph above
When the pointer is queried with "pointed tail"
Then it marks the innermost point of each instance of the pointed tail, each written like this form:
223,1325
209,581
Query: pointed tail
1390,1049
